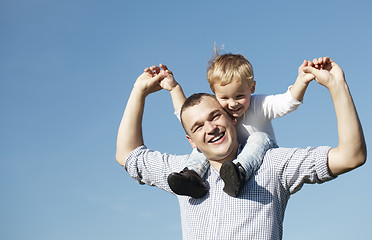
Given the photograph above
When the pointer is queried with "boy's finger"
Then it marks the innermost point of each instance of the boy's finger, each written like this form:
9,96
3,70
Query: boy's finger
311,70
157,78
308,77
304,64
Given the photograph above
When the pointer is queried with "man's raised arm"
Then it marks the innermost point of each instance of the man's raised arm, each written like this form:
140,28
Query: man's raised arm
130,130
351,151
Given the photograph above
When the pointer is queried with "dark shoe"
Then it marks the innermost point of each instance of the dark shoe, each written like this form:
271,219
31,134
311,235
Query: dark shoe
187,182
234,178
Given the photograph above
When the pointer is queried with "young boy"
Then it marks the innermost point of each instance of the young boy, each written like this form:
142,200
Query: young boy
231,79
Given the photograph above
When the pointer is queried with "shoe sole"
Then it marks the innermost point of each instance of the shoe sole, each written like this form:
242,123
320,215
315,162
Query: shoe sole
230,175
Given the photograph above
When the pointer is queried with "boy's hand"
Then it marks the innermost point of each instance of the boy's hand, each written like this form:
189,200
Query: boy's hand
306,78
326,72
298,89
168,82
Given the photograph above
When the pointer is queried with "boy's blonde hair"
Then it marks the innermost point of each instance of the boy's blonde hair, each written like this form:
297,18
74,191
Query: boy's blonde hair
225,68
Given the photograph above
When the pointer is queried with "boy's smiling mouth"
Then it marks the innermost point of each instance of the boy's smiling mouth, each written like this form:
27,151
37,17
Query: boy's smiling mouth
235,111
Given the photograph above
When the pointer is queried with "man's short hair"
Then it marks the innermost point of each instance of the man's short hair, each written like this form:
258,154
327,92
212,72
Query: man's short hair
193,100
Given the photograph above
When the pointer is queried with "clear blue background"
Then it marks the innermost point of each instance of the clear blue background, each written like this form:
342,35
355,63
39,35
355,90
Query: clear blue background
66,71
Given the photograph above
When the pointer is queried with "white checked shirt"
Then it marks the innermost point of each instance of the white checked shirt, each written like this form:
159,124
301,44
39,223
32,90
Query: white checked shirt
257,213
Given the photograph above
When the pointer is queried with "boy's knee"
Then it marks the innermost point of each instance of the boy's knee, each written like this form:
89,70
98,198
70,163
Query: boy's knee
260,136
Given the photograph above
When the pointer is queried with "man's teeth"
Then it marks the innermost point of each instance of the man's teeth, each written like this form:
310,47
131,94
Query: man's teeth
215,139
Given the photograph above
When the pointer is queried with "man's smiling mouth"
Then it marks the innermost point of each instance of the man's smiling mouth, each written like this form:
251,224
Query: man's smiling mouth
216,138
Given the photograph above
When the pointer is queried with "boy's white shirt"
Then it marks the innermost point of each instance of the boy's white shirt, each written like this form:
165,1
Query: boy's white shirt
262,110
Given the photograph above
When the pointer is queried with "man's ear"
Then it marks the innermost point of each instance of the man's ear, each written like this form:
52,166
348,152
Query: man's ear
253,88
191,141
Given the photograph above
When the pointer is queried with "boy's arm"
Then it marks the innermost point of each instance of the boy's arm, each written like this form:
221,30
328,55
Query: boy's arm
178,98
130,130
351,151
274,106
298,89
174,88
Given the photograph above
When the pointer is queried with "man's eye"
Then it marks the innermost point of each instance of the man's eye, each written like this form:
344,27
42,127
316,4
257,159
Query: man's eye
215,117
240,96
198,128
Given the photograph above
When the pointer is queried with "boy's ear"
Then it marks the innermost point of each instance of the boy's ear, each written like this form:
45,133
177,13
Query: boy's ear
191,141
253,88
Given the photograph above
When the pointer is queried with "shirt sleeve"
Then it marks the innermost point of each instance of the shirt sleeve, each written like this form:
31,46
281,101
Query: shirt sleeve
178,115
300,166
152,167
274,106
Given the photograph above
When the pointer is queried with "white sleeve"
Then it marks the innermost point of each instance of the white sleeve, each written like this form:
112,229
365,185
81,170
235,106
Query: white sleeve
274,106
178,115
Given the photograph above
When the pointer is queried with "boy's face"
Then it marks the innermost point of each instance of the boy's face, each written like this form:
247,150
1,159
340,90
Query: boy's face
234,97
211,130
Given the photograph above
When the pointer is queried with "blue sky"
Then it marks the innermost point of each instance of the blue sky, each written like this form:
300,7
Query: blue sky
66,71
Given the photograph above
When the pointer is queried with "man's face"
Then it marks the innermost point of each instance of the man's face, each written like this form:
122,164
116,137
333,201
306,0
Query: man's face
211,130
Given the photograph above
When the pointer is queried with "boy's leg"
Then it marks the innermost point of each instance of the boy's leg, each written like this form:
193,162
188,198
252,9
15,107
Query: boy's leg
235,173
197,162
189,181
252,154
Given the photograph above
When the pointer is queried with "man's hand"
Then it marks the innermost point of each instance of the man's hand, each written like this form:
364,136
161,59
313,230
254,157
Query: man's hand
167,79
351,151
149,81
326,72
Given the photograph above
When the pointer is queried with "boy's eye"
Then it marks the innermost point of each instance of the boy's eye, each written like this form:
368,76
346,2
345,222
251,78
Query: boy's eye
240,96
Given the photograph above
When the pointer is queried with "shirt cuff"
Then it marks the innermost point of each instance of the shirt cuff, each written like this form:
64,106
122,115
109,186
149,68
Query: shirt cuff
321,165
132,155
178,115
291,99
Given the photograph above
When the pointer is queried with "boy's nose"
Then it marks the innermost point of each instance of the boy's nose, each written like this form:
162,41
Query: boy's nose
233,103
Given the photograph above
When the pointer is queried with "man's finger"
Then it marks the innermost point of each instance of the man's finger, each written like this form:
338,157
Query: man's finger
155,69
164,67
148,70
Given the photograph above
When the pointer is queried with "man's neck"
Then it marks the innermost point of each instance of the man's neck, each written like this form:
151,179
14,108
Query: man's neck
218,163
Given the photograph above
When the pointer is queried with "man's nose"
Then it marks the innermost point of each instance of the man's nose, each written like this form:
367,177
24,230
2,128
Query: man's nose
210,127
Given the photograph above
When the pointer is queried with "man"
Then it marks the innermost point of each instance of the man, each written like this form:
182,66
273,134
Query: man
259,211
